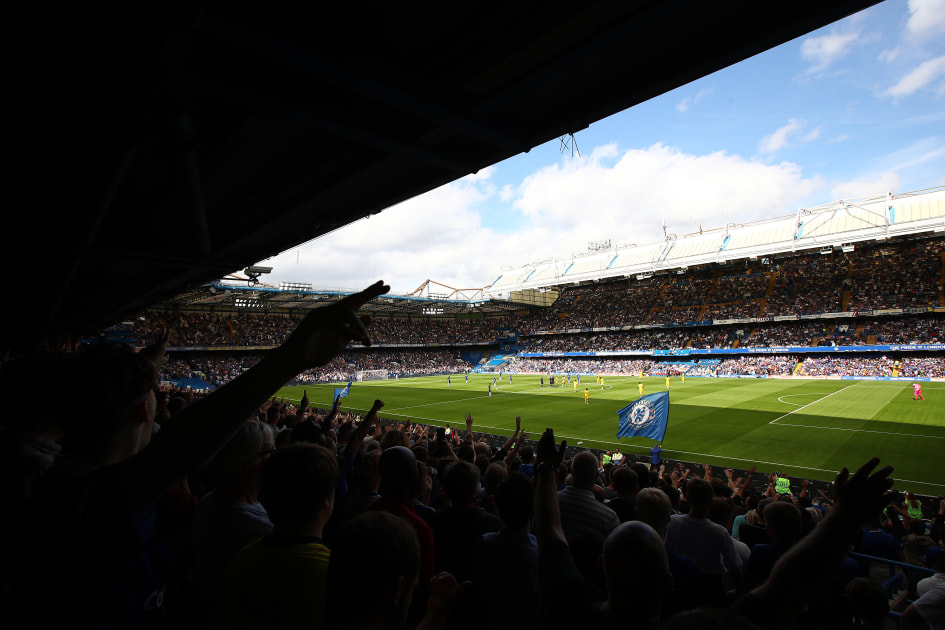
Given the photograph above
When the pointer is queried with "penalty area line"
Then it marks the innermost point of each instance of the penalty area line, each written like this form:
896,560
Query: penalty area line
809,404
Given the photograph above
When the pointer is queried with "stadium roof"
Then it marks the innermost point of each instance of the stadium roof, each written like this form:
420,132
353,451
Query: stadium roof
840,225
163,145
248,296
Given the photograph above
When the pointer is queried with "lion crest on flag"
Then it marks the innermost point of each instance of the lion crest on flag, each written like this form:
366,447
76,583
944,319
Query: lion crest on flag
641,415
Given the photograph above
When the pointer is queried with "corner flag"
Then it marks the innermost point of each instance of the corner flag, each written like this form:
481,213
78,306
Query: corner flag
344,391
646,417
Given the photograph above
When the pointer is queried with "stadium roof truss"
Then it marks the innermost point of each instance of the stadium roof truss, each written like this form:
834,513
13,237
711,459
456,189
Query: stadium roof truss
231,296
837,225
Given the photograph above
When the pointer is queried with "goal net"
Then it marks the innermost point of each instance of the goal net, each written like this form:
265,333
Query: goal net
371,375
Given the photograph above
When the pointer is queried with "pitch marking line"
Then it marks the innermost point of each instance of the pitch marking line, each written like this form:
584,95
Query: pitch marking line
809,404
780,398
808,426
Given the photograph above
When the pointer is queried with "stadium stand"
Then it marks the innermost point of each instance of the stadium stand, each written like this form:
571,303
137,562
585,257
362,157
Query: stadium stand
893,292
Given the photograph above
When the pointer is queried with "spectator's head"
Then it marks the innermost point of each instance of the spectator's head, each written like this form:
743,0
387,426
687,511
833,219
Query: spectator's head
394,437
869,601
584,470
466,452
643,473
515,501
699,495
674,495
624,481
297,487
308,431
514,462
527,453
235,469
112,389
364,475
722,511
917,527
654,508
760,511
422,453
482,463
783,522
461,484
720,488
496,474
398,469
344,432
372,573
636,571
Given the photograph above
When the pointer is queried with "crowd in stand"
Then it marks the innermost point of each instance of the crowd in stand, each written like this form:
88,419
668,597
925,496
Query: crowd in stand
189,330
808,284
847,366
922,366
915,330
218,368
757,366
740,288
142,508
896,277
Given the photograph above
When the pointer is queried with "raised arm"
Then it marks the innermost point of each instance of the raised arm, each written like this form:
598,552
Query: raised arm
468,438
509,442
808,566
303,405
329,420
511,453
361,430
547,512
206,425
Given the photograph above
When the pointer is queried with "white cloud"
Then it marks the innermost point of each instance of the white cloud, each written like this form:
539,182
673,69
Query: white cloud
781,137
447,236
926,18
625,201
887,56
822,51
437,235
923,152
927,72
689,101
813,134
886,182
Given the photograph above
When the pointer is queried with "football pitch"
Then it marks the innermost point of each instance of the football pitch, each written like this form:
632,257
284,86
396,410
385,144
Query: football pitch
807,428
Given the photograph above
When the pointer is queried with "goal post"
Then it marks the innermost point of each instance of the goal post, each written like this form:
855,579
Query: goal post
371,375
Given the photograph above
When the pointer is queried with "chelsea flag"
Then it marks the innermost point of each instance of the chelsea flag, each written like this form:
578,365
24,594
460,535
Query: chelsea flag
344,391
646,417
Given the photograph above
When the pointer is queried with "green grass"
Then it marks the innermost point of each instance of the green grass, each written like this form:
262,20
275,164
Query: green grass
807,428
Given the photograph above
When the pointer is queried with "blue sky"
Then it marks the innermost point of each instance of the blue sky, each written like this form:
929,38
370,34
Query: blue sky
854,109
